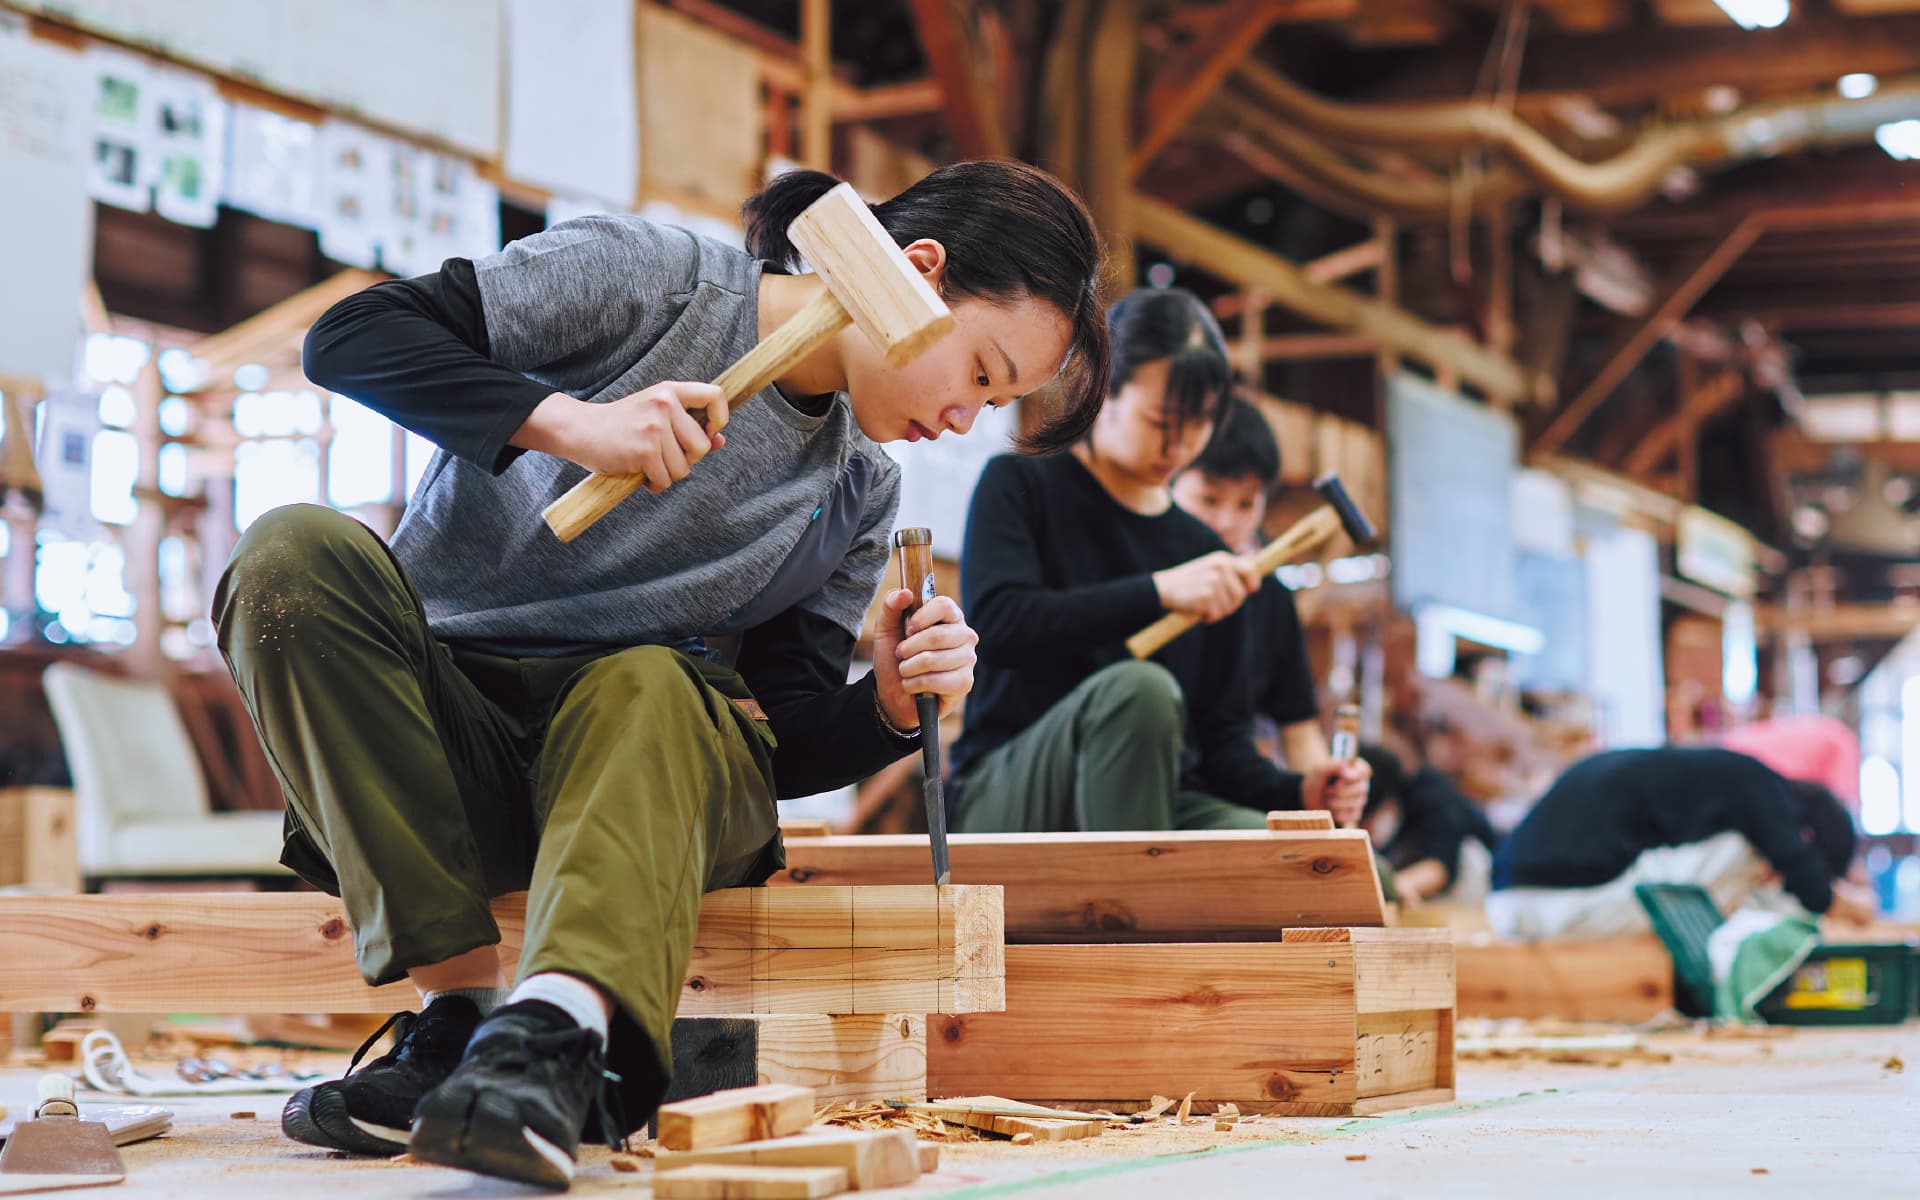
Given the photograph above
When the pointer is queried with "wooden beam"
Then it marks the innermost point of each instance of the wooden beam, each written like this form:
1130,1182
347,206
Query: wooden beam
1180,89
727,1118
1796,453
1627,67
273,330
857,1059
720,1181
1843,622
1123,887
956,63
1332,268
873,1159
1241,262
816,42
1305,347
1687,284
1111,64
39,845
1674,431
1393,969
821,951
1604,979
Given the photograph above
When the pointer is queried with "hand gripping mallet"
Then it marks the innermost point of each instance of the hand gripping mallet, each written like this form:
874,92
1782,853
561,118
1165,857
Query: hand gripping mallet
916,576
869,282
1307,534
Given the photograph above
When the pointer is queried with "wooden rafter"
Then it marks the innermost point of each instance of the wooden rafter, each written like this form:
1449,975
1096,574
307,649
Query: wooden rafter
1695,410
1248,265
1677,298
972,114
1331,268
1180,89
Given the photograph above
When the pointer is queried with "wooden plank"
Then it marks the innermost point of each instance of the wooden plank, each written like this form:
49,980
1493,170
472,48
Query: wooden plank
749,1114
710,150
1267,1026
1400,1051
39,846
1298,819
872,1159
1182,87
717,1182
1606,979
1683,289
1373,1105
816,952
995,1114
1241,262
856,1059
1121,887
1394,969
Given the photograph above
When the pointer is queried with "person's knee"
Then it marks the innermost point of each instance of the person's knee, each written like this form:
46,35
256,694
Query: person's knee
269,587
621,680
1143,697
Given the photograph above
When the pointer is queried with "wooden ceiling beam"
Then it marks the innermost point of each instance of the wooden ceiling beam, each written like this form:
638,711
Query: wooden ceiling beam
1180,89
1677,298
957,62
1696,410
1630,67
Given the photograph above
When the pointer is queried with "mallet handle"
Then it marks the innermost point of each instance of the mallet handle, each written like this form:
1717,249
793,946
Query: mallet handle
1310,531
803,333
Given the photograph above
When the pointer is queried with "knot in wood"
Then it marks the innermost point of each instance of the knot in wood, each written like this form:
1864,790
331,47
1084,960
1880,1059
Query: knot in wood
1279,1087
801,874
152,932
88,1004
334,929
951,1031
1155,851
1105,916
1323,866
696,984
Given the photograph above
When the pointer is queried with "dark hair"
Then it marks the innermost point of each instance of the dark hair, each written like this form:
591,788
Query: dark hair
1150,324
1012,231
1389,776
1242,447
1828,823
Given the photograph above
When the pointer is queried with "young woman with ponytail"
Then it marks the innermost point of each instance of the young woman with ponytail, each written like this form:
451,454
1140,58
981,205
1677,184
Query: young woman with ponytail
478,709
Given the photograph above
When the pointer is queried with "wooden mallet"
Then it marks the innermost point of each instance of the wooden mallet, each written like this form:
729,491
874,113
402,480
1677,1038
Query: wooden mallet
869,282
1307,534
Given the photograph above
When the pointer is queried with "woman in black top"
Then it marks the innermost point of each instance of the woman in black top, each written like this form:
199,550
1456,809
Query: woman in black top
1068,556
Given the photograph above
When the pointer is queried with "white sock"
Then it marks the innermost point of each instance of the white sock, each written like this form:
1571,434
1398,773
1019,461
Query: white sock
485,999
571,995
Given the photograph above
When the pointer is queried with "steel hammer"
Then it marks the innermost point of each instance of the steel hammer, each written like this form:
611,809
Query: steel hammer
869,282
1308,533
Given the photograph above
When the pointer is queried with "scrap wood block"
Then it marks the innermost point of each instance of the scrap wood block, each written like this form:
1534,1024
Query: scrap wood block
994,1114
855,1059
39,843
1291,1028
717,1182
750,1114
871,1158
822,951
1295,819
1626,979
1197,886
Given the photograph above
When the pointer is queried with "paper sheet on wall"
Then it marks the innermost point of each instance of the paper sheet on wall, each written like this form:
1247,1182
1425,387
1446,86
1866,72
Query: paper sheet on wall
188,147
353,185
1626,674
571,119
272,166
123,118
46,140
69,422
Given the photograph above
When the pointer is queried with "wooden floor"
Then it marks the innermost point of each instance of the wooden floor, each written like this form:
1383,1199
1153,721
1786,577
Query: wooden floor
1823,1110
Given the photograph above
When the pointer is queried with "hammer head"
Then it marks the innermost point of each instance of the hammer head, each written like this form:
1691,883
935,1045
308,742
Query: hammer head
1352,519
870,275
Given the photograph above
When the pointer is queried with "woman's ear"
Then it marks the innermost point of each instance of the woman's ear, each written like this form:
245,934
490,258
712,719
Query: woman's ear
929,258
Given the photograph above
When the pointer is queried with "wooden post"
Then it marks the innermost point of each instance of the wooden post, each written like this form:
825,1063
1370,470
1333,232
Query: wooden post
1109,135
816,39
1386,286
142,539
1253,327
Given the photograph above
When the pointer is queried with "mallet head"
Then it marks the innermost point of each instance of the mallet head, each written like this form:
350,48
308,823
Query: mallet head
870,275
1352,519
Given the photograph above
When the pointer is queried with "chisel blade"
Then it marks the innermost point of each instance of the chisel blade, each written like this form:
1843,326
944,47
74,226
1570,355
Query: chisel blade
933,789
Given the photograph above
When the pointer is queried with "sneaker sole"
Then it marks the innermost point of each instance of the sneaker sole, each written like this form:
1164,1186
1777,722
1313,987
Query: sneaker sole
453,1131
318,1116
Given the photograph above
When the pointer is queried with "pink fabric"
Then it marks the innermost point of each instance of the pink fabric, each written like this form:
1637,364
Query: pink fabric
1819,749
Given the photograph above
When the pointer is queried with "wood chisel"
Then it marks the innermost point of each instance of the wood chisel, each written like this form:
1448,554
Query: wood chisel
916,576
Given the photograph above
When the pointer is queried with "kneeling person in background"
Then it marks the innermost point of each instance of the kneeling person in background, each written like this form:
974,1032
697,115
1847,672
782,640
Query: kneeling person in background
1427,831
1669,815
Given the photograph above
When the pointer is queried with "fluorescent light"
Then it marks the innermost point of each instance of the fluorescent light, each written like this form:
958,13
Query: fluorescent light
1858,86
1756,14
1879,797
1900,139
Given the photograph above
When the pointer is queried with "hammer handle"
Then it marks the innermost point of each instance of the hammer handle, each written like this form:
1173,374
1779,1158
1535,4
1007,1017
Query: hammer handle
803,333
1310,531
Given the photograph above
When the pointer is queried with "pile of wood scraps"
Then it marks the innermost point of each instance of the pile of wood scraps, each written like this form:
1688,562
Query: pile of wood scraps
763,1143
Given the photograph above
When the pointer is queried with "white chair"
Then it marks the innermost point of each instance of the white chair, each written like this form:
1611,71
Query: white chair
140,799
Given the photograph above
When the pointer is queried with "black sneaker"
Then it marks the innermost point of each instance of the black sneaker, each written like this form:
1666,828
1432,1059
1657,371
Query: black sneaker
371,1111
516,1104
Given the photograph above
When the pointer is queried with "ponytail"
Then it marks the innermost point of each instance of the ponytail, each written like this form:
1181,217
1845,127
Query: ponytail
1012,232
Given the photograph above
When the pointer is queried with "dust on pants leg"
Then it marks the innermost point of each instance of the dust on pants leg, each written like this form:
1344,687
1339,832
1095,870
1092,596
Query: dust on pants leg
1106,757
406,779
651,789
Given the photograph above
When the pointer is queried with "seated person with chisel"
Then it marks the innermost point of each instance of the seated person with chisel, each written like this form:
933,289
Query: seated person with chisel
607,723
1065,558
1227,487
1669,815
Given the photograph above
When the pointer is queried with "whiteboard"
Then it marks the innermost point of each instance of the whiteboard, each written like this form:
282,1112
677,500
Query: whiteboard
428,66
46,255
1452,464
572,124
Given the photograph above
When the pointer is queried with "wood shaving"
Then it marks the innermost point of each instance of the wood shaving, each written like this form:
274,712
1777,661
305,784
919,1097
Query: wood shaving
884,1116
1157,1107
625,1162
242,1116
1186,1109
1893,1063
1023,1139
1223,1126
1356,1158
1228,1110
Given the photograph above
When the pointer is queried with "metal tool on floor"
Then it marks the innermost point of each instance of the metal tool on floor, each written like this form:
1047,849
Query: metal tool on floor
58,1142
916,575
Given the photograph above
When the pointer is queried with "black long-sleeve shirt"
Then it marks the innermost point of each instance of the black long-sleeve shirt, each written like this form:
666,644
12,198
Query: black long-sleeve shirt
1607,810
1055,576
1435,821
416,351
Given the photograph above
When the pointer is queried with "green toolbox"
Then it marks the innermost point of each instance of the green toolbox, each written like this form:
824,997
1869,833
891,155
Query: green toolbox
1867,983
